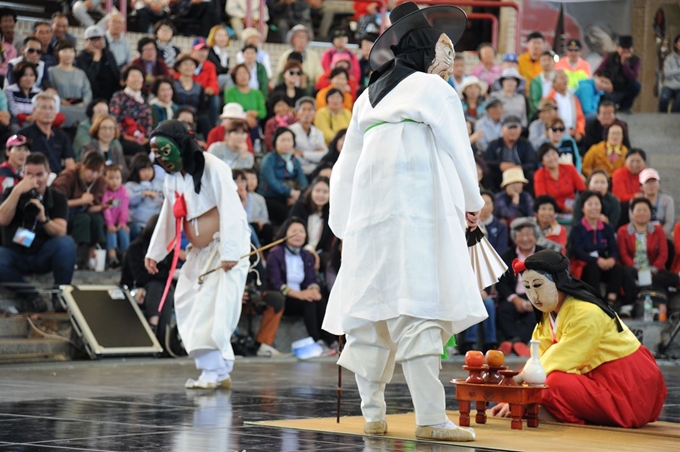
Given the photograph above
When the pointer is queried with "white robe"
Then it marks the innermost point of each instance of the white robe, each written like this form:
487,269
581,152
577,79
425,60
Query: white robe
398,197
207,314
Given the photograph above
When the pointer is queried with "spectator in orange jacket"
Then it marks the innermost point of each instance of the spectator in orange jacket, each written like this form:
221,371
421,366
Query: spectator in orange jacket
608,155
529,65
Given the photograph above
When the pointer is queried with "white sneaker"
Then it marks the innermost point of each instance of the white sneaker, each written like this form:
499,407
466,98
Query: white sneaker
267,351
626,310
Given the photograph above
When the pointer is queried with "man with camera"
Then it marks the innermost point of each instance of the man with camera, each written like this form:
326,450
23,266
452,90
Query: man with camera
33,220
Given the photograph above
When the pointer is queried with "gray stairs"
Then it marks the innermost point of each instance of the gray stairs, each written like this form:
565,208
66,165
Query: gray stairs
21,343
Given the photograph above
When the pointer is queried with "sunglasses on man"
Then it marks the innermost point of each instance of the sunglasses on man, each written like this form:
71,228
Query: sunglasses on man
31,50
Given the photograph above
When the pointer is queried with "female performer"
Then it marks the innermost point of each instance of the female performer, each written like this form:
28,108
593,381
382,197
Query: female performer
598,372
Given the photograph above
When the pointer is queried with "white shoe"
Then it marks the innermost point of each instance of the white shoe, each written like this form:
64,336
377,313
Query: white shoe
267,351
200,384
626,310
447,431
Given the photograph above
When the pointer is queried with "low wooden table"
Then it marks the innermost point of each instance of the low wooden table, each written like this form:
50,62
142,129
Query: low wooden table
522,399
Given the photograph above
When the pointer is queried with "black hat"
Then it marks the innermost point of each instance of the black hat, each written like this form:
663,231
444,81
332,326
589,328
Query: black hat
406,17
625,41
340,33
574,43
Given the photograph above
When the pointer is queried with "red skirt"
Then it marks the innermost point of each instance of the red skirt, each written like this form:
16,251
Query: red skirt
627,392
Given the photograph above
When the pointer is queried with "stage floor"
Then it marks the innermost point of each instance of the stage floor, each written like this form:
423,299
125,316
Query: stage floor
141,405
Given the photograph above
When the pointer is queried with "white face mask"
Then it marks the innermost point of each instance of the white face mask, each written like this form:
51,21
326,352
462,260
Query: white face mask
442,64
542,292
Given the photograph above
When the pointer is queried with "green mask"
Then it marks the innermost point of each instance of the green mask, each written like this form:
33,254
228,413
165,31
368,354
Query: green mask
167,153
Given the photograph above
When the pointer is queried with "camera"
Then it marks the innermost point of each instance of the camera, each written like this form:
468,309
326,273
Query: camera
30,209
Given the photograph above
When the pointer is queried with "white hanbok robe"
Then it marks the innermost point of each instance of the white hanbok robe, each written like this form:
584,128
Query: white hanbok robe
207,314
399,192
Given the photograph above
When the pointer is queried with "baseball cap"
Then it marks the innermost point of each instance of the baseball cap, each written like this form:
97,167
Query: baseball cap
16,140
198,43
511,120
647,174
93,31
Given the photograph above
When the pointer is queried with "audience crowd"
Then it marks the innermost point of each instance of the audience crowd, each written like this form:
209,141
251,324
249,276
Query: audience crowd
555,162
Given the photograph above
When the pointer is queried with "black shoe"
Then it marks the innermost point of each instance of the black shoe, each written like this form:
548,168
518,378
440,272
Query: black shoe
114,263
490,346
56,303
37,304
466,347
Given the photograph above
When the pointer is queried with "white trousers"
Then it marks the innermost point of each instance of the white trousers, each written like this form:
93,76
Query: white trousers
213,365
373,350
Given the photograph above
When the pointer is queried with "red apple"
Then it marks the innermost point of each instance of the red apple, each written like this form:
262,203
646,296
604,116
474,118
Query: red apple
495,358
474,358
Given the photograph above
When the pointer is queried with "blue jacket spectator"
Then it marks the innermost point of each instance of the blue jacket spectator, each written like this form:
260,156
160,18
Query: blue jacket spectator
590,92
281,176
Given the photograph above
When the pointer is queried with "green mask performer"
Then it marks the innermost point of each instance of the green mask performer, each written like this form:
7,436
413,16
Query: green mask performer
167,153
201,201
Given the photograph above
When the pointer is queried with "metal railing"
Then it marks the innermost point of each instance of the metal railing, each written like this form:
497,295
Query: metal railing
262,24
481,4
122,8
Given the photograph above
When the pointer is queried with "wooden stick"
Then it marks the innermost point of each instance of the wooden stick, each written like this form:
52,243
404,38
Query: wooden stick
339,381
266,247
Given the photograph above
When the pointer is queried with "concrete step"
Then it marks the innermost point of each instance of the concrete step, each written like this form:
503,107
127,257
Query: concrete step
658,134
18,326
13,327
29,350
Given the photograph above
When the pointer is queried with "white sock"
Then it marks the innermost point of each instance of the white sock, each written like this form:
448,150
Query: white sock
208,376
447,424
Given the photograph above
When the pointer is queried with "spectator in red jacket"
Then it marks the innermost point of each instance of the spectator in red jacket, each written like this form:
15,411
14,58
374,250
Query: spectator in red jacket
626,180
206,76
643,247
559,180
230,112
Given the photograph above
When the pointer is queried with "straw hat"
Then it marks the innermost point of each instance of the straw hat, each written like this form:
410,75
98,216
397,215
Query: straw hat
512,175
